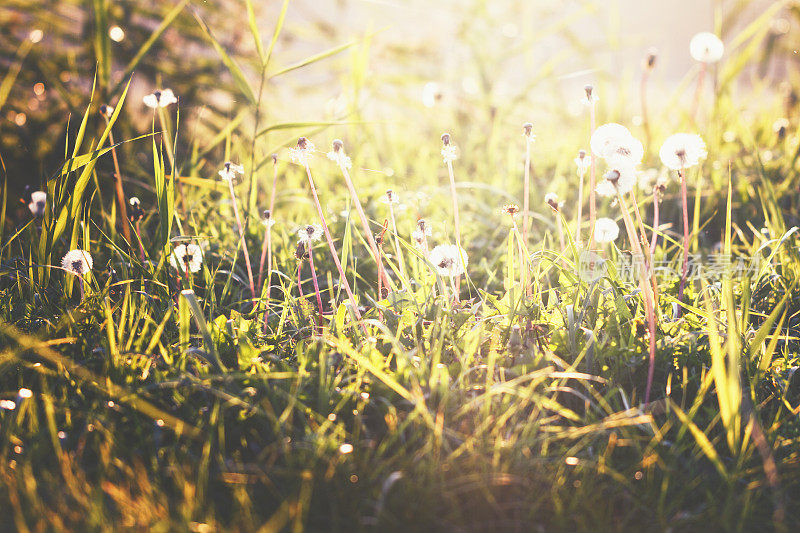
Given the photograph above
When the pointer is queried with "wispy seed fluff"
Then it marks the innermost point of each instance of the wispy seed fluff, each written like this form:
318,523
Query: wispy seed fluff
682,150
582,163
38,203
302,153
161,98
449,151
619,179
77,262
230,171
338,156
450,260
187,256
605,230
706,47
309,233
615,140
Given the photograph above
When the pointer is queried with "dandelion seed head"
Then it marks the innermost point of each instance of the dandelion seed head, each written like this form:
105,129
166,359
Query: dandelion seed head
77,262
527,132
25,393
38,203
510,209
431,94
619,179
450,260
338,156
780,127
582,163
303,152
35,36
187,257
345,448
160,98
605,230
390,198
682,150
309,233
551,199
591,96
230,171
706,47
615,140
650,59
106,110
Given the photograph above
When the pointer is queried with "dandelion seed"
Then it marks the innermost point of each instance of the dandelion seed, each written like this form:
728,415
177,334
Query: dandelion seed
338,156
527,132
551,199
161,98
615,140
605,230
510,209
449,151
230,171
582,163
187,257
136,212
682,150
38,203
620,178
106,110
309,233
390,198
266,218
302,153
78,262
706,47
431,94
450,260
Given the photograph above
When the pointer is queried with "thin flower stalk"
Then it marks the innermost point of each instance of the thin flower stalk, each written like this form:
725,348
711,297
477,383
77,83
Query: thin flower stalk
162,120
266,248
685,206
647,291
241,234
106,111
447,151
314,280
648,65
376,255
400,261
592,184
301,144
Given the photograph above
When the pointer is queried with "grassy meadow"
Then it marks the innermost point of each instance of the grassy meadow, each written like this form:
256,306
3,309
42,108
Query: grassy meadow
251,285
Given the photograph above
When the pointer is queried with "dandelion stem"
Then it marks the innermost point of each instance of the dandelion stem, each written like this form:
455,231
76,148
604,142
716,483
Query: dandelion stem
334,255
165,137
579,215
123,209
139,241
526,207
365,225
314,280
399,253
592,183
241,237
266,249
646,289
455,217
685,204
654,239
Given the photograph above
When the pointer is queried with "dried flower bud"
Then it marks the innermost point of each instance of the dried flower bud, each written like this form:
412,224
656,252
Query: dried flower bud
527,128
650,59
337,145
446,139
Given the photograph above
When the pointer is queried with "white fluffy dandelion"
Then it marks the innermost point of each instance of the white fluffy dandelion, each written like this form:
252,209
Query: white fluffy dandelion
615,140
582,163
161,98
450,260
77,262
605,230
38,203
620,178
187,257
706,47
309,233
302,153
551,199
338,156
230,171
390,198
682,150
449,150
